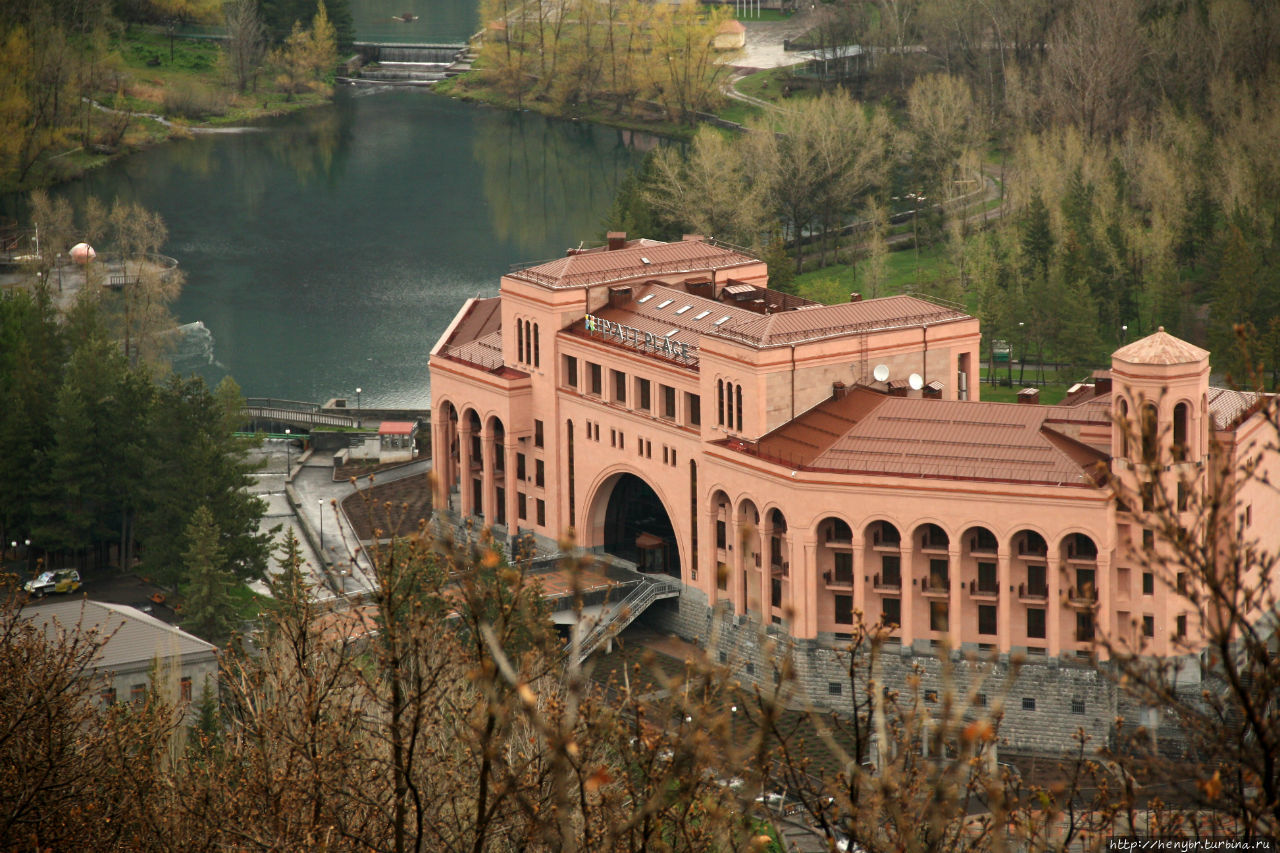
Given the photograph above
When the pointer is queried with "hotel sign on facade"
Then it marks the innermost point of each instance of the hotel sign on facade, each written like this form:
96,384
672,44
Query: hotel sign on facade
646,341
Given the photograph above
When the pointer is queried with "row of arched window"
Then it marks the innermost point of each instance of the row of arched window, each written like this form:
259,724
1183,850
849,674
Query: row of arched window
528,343
1148,429
729,405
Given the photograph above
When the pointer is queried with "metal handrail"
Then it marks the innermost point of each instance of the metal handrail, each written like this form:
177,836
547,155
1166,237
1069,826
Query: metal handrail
635,602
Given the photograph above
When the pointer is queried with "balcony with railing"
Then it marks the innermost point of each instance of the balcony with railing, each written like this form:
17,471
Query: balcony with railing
1082,596
935,586
985,592
887,582
1033,592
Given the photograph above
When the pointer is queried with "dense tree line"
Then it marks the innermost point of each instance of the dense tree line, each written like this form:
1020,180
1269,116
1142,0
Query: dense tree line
108,458
1130,141
616,54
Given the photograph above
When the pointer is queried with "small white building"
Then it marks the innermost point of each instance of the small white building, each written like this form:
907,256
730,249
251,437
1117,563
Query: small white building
138,645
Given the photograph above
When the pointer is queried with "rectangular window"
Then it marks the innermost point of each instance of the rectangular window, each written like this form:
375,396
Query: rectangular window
980,700
1084,627
537,433
642,394
108,696
891,570
986,618
1182,583
1028,703
891,611
693,409
1077,706
542,512
1180,626
987,578
1148,625
1148,540
834,688
1148,583
775,589
722,576
1037,584
931,696
1035,623
722,533
595,384
1182,497
571,372
539,473
938,575
184,688
521,471
619,386
668,401
844,567
522,506
844,609
938,616
138,694
664,454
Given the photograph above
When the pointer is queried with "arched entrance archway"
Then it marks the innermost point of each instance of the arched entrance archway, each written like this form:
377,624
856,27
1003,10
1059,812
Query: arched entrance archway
637,527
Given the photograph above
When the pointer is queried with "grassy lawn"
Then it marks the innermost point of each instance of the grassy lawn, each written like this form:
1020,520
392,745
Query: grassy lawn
1050,394
765,85
903,269
248,602
738,111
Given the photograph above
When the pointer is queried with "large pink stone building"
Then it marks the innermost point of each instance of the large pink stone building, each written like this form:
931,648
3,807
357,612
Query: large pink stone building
796,463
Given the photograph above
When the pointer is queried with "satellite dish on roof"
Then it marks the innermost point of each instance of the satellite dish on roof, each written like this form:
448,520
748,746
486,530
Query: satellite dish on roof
916,381
881,373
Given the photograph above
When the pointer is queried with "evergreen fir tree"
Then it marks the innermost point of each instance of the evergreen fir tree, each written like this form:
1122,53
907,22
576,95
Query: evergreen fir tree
207,605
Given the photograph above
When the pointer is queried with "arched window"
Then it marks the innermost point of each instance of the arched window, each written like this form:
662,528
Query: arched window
1150,432
519,340
739,417
720,402
528,342
1124,426
537,359
1180,416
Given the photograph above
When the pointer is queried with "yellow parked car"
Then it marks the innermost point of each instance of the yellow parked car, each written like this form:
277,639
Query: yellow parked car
60,581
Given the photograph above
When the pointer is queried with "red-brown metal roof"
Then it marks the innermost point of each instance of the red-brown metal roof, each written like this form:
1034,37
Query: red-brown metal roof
867,432
600,266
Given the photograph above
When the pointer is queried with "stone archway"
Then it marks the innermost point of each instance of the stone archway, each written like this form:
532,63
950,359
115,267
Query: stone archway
636,527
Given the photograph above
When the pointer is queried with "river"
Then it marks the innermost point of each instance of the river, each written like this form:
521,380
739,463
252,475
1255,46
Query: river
329,251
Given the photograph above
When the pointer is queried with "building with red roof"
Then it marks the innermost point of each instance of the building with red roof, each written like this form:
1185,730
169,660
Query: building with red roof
794,464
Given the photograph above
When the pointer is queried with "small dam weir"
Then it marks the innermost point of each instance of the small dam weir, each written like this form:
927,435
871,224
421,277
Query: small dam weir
378,63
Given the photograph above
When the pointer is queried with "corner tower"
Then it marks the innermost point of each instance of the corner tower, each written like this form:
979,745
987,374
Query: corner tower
1160,389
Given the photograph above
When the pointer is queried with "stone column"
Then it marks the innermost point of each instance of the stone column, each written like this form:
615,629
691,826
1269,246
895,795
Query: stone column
908,606
955,599
510,483
465,509
860,583
488,477
1005,601
1104,615
763,533
804,587
442,459
1054,605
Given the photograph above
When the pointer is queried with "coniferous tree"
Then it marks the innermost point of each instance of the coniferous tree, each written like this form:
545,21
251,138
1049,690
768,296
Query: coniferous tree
207,606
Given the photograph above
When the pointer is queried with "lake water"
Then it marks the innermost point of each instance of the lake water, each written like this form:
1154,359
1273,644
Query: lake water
330,250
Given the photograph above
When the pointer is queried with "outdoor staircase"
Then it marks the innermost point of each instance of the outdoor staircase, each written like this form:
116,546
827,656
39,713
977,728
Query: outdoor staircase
619,615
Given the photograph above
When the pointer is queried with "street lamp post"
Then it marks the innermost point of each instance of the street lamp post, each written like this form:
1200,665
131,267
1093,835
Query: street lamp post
1124,334
359,421
1022,360
288,453
323,562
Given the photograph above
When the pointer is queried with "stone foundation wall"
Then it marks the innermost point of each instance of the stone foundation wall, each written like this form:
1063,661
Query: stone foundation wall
1045,705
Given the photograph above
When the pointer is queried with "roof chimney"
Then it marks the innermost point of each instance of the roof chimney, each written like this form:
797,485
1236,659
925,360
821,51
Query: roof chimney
619,296
617,240
1101,382
855,297
1030,396
838,390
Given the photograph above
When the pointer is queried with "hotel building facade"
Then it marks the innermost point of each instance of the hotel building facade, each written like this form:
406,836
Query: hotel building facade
793,464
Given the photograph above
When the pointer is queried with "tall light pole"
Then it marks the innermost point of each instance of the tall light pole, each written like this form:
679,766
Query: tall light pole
1124,334
1022,360
323,562
359,421
288,453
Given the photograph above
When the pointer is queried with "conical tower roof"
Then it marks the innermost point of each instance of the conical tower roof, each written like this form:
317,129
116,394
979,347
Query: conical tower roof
1160,348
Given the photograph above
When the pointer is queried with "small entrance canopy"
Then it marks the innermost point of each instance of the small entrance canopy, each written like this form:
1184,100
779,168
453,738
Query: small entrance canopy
395,440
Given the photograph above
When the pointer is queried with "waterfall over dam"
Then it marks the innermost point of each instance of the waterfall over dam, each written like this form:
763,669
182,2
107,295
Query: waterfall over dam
409,64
